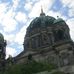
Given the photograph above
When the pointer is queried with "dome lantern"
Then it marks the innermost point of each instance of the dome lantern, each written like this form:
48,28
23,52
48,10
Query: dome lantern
42,13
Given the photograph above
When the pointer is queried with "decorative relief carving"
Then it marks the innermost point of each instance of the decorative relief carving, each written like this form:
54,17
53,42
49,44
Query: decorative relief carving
45,38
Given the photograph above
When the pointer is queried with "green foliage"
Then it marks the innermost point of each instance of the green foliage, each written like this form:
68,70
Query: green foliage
29,68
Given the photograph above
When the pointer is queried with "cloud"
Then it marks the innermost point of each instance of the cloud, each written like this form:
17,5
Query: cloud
71,12
46,4
9,37
3,9
7,18
10,13
55,14
70,5
15,3
9,24
20,36
21,17
10,51
70,23
28,6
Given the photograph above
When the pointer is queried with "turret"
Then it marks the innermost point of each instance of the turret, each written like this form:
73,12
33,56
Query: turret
2,51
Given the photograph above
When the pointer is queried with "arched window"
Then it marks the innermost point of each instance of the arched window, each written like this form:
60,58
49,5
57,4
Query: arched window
65,58
1,49
45,39
33,42
60,34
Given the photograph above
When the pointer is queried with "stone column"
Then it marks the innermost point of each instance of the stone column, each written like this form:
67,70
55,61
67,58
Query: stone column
52,38
45,39
30,42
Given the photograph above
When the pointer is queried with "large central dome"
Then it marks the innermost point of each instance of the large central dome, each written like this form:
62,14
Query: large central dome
41,21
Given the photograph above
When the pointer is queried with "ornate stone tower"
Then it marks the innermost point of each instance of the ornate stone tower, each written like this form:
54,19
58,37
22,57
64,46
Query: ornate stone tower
2,50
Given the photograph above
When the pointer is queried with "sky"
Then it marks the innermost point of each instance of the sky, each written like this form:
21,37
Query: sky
16,15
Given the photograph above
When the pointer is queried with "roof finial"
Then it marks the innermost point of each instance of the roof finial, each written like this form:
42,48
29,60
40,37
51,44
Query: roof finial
41,9
57,16
42,13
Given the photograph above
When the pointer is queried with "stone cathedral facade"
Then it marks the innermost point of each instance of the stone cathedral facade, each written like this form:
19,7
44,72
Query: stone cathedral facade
48,40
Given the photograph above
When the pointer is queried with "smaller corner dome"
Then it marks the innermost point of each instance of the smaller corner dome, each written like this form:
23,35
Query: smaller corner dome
1,38
59,20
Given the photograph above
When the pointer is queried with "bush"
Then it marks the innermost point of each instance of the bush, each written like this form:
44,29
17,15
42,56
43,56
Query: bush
29,68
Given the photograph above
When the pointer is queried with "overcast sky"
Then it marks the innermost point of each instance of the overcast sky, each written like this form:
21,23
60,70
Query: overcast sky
15,16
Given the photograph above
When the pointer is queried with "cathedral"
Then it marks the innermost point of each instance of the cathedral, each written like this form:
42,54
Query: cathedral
47,40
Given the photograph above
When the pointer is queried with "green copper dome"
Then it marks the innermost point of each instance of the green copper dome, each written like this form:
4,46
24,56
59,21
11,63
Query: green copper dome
1,38
42,21
59,20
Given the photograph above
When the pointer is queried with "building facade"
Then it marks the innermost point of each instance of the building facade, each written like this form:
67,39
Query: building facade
48,40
